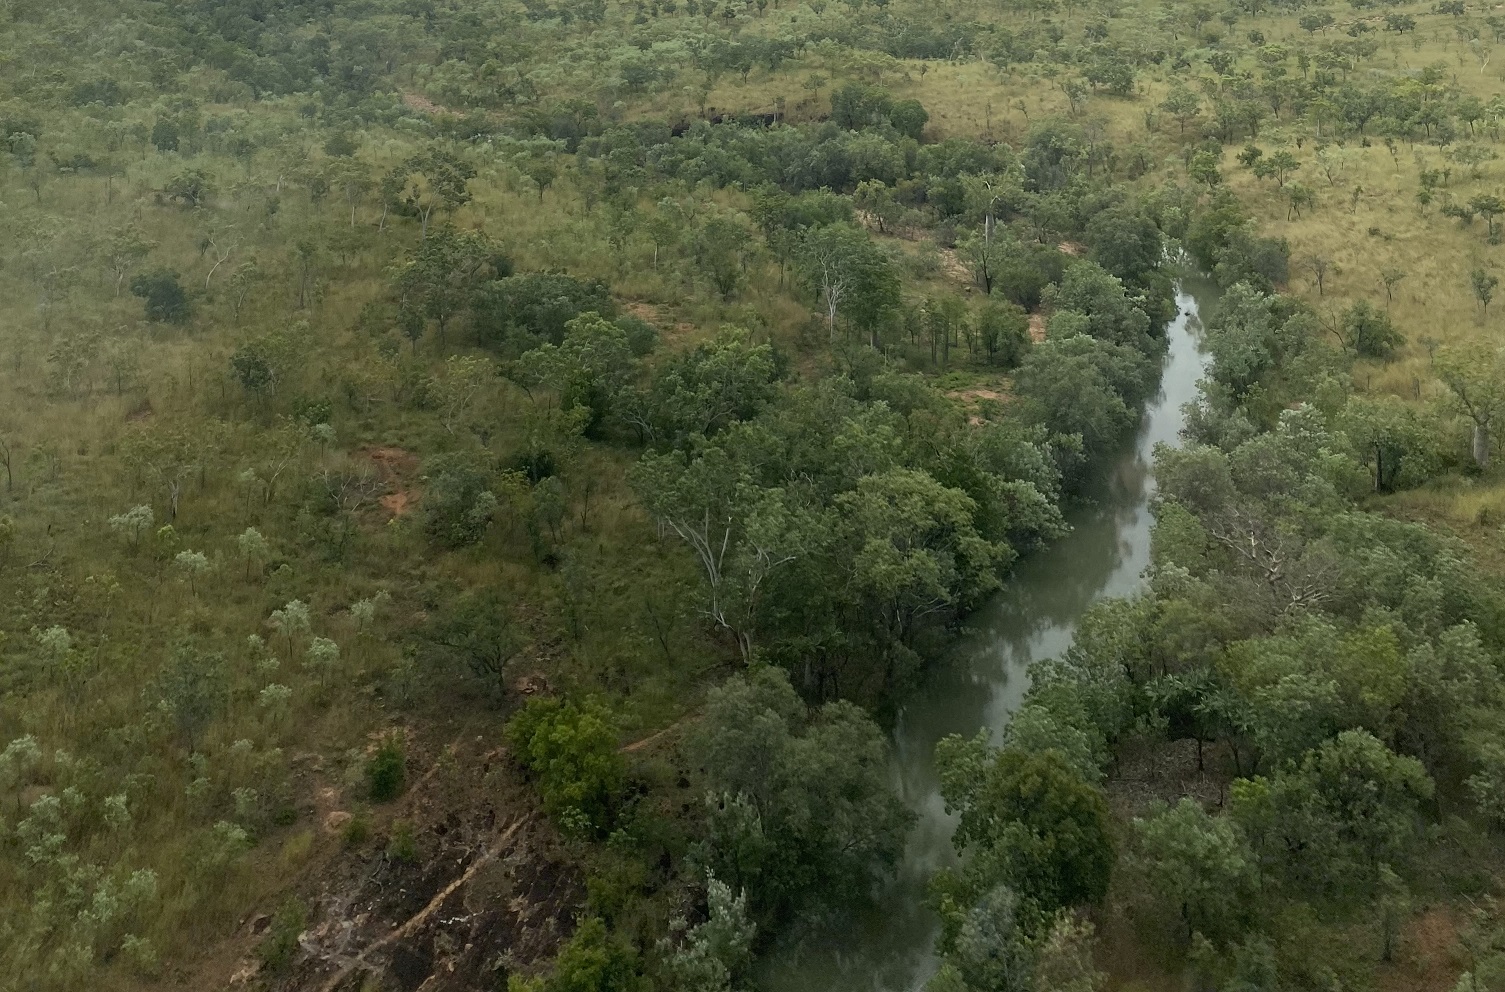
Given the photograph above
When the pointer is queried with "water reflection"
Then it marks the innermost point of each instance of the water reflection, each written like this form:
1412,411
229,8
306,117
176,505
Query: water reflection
887,948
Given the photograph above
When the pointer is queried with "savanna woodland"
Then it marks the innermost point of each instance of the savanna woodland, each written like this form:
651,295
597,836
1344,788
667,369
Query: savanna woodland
480,480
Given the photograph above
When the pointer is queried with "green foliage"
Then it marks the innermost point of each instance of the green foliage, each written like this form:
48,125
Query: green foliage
166,302
801,815
989,950
1028,821
458,505
280,944
1369,332
713,955
703,390
592,369
386,770
520,312
1003,329
570,749
402,845
1079,385
1197,869
475,632
596,960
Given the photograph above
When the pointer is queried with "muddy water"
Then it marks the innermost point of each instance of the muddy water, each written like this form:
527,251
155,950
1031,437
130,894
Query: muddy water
888,948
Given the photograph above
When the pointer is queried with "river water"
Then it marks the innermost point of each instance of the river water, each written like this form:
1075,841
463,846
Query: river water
888,948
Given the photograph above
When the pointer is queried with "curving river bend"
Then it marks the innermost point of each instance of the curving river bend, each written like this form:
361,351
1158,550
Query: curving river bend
888,948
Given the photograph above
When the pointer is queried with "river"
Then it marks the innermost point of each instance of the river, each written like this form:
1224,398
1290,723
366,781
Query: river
888,948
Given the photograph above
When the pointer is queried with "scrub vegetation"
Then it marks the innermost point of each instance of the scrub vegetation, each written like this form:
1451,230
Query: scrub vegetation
477,479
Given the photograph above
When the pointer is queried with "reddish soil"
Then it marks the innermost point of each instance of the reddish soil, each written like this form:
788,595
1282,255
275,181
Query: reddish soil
396,466
671,329
1429,954
1037,327
424,104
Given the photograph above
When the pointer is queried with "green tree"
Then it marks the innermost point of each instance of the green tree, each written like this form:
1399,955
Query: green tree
166,302
570,749
1003,329
1483,285
439,277
917,549
1385,433
1182,104
714,954
1084,387
1204,169
703,390
1369,332
596,960
990,950
459,504
425,184
1327,826
721,249
1197,867
1028,821
1488,206
803,814
1475,376
593,369
124,249
850,275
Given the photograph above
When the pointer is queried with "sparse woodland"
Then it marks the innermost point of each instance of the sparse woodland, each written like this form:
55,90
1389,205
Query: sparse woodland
551,438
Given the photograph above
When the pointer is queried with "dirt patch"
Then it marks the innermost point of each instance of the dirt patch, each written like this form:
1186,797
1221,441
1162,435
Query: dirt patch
1037,327
670,329
396,467
1073,248
399,502
1429,954
1161,772
952,266
973,395
392,463
424,104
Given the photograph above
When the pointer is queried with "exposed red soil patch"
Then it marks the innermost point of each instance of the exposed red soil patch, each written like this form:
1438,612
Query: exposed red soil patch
1428,957
395,466
399,502
424,104
670,328
1073,248
392,462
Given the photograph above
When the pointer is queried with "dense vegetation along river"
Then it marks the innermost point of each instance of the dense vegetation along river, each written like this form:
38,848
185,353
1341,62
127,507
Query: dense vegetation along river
889,948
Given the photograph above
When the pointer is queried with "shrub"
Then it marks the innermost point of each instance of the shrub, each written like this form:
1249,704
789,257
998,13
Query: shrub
386,772
571,751
166,303
402,845
458,505
281,942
